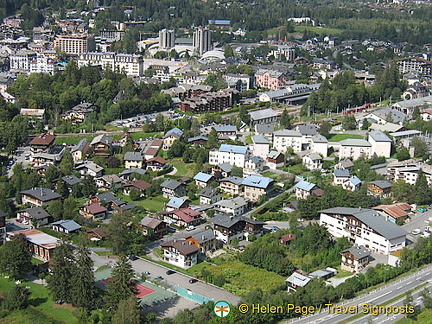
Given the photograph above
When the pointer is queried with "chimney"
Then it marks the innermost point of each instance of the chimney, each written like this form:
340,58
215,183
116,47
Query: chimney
203,237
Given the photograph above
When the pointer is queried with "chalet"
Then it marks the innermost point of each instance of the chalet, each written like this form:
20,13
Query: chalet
156,164
79,113
203,179
297,280
98,234
35,217
176,203
101,144
108,182
65,226
133,160
209,196
128,174
222,170
139,185
79,150
181,253
172,188
287,239
93,211
264,129
170,137
109,200
313,161
352,184
355,259
182,217
226,131
42,143
396,213
39,196
52,157
380,188
304,189
41,245
232,186
256,186
71,180
227,227
345,165
340,176
197,140
275,159
153,227
89,168
151,150
236,206
205,240
253,166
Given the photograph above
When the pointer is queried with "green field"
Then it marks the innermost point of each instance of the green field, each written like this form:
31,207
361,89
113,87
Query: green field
319,30
183,169
152,204
341,137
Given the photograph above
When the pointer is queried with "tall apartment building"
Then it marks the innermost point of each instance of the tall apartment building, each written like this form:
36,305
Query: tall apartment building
75,44
131,64
202,40
414,64
166,39
20,61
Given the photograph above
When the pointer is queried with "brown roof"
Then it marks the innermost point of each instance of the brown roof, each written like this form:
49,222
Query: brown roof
151,151
186,214
42,139
150,222
317,192
139,184
393,210
156,143
183,246
95,208
157,159
288,237
101,231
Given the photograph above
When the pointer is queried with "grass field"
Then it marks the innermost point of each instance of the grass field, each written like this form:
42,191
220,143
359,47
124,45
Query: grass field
183,169
341,137
152,204
425,317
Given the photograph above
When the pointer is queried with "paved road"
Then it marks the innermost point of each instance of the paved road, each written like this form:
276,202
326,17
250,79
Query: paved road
420,220
376,297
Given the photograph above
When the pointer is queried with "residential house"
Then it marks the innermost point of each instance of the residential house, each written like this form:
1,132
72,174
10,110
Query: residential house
176,203
65,226
264,129
386,115
381,143
93,211
253,166
170,137
287,238
182,217
53,157
222,170
346,164
227,227
79,150
71,180
79,113
232,186
275,159
232,154
109,200
260,146
153,227
151,150
209,196
34,216
396,213
284,138
38,197
380,188
180,252
101,145
297,280
89,168
42,245
133,160
202,179
197,140
355,259
340,176
263,116
98,234
128,174
319,144
270,79
108,182
352,184
2,227
156,164
353,148
226,131
364,227
313,161
42,143
426,114
172,188
304,189
205,240
139,185
257,186
236,206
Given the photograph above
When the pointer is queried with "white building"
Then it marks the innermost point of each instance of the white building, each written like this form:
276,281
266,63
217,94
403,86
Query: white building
43,64
364,227
202,40
180,252
381,143
319,144
131,64
20,61
355,148
166,39
313,161
236,206
261,146
282,139
232,154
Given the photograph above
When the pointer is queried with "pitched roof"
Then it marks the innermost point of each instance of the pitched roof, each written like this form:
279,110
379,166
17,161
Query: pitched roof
158,160
341,173
203,177
37,212
150,222
288,237
197,138
227,221
355,142
42,194
90,166
264,128
175,202
133,156
262,114
104,138
287,133
257,181
383,184
183,246
318,138
273,154
234,179
379,136
392,210
397,116
42,139
101,231
234,203
225,128
354,180
315,156
305,185
130,171
138,184
170,184
359,252
237,149
185,214
204,236
39,238
81,146
176,132
260,139
225,167
71,180
307,129
298,280
347,163
208,192
69,225
95,208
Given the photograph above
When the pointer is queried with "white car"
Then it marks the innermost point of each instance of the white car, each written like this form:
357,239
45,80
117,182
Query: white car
425,235
417,231
190,228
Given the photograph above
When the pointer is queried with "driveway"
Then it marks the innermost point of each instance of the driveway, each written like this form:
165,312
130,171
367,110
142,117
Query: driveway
418,220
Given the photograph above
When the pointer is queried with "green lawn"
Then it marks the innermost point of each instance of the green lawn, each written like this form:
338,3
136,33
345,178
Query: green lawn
152,204
425,317
183,169
341,137
139,135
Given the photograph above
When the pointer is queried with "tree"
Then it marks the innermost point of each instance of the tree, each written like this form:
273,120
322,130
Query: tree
237,171
135,194
88,187
127,312
17,298
420,147
121,286
176,150
427,299
325,129
285,119
15,257
113,162
228,51
366,124
422,190
70,208
349,122
403,154
83,281
118,233
212,139
55,209
60,281
244,115
62,188
216,80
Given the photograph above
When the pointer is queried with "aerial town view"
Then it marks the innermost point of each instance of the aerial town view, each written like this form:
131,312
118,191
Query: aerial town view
215,161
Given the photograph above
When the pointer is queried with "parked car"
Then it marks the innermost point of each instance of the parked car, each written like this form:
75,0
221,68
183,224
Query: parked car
190,228
416,231
132,257
170,272
146,273
421,210
159,278
192,280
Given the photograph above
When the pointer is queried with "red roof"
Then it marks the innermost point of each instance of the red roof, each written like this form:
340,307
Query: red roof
157,159
139,184
42,139
288,237
185,214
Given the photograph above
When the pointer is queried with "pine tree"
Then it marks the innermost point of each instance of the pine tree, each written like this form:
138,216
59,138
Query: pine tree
15,257
62,189
121,286
212,139
83,281
60,282
127,312
285,119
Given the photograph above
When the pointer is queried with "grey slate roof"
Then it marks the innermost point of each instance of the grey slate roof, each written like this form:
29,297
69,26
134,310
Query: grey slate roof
133,156
355,142
105,139
379,136
208,192
318,138
227,221
69,225
232,203
170,184
372,219
260,139
204,236
225,128
307,129
264,128
42,194
338,173
37,212
359,252
130,171
80,146
287,133
225,167
263,113
397,116
383,184
305,185
234,179
71,180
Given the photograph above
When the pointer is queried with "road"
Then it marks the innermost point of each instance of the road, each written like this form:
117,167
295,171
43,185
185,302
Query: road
174,280
419,220
375,297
